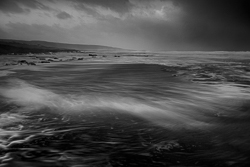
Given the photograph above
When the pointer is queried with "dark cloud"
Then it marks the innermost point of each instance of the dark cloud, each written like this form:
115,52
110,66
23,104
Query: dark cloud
34,4
83,7
179,25
22,31
222,10
202,24
63,15
15,6
215,25
10,6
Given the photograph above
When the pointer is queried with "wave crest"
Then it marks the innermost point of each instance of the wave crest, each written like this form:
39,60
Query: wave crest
192,112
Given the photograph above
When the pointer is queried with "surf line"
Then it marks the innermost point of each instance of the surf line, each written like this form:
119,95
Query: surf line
169,113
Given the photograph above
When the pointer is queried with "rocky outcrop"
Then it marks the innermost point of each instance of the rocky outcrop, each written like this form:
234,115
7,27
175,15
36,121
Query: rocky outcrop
93,55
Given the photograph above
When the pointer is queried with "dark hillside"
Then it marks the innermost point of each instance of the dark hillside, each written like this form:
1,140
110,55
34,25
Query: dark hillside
18,46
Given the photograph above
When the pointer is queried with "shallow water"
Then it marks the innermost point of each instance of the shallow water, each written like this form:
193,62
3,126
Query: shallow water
120,115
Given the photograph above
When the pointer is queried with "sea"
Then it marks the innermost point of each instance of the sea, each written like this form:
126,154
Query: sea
150,109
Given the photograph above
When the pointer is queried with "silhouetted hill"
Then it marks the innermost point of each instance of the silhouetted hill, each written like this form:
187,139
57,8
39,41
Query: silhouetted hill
72,46
18,46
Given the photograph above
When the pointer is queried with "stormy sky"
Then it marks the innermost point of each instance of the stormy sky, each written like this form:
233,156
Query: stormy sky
206,25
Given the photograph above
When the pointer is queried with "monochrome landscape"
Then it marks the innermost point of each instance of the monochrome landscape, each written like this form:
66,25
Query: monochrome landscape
115,83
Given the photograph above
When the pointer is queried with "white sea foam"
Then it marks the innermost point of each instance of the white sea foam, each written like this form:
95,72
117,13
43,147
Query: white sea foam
5,73
170,112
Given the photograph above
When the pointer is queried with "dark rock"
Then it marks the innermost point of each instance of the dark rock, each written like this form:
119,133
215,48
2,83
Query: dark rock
21,62
93,55
32,63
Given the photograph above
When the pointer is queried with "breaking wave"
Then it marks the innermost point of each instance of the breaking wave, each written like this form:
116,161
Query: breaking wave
194,111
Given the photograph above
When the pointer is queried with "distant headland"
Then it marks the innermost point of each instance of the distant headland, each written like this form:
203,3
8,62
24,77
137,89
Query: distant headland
9,46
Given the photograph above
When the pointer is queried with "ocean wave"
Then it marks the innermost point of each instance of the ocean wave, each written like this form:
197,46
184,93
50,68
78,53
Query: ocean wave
195,110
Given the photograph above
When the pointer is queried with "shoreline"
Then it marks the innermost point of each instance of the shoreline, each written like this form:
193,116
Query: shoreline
218,70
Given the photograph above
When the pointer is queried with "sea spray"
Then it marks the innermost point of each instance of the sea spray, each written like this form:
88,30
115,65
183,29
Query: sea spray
195,110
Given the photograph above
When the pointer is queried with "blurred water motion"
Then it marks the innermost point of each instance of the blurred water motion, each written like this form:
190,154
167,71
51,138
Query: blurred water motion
120,115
